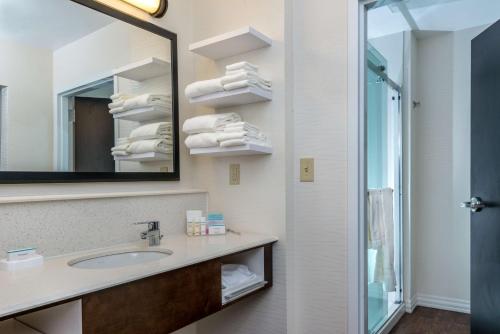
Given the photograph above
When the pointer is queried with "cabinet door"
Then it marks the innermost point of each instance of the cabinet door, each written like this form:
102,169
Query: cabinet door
156,305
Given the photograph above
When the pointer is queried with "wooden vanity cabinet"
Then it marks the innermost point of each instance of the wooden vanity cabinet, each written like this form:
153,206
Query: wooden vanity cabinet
155,305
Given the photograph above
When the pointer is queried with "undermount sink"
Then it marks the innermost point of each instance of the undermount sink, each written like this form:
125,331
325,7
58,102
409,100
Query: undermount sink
110,260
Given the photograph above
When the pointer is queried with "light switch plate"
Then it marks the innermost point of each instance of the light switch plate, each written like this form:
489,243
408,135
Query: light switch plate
307,170
234,174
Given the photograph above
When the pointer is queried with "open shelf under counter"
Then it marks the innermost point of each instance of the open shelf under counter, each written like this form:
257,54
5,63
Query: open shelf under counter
145,157
248,149
148,68
233,98
231,43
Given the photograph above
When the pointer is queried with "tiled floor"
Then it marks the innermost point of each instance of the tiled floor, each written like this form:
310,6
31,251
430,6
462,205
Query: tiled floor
432,321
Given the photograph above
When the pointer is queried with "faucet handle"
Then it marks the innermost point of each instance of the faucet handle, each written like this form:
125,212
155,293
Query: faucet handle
152,225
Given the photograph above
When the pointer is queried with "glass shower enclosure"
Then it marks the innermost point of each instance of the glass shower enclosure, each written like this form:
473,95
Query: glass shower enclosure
384,169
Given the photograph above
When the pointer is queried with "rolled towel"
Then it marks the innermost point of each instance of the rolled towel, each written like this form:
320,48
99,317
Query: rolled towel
242,65
146,100
202,140
245,75
245,84
209,123
154,145
204,87
163,129
116,104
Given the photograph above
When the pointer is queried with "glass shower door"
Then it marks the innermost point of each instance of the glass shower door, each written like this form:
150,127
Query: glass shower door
384,193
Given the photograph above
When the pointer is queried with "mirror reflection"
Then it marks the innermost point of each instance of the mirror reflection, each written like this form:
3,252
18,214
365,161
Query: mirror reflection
81,91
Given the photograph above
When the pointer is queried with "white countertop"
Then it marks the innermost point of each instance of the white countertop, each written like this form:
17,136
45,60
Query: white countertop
55,281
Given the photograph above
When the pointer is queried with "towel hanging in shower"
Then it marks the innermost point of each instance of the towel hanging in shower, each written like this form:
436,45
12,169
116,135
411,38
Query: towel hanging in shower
381,235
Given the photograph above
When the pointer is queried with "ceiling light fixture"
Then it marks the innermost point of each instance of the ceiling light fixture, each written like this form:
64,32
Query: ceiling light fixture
155,8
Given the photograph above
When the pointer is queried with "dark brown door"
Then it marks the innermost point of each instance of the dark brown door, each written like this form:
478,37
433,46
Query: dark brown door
485,182
94,135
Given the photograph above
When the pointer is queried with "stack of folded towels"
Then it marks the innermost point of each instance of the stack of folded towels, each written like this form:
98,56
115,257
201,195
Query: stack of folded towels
237,278
155,137
221,130
238,75
142,103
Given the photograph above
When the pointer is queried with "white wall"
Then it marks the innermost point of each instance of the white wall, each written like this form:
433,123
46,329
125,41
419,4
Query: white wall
441,174
258,204
27,73
392,48
319,231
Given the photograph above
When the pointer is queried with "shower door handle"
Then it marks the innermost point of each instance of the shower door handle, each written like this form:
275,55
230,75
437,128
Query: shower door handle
475,204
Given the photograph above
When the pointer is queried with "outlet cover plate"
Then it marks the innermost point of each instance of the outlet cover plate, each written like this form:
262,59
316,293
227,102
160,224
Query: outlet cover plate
307,170
234,174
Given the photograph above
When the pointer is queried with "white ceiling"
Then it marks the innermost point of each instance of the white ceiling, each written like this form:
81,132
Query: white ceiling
48,23
435,15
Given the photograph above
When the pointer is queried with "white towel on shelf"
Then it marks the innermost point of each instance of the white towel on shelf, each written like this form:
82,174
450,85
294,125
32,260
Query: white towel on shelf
117,110
381,235
121,147
119,153
245,75
119,96
209,123
244,65
147,100
204,87
162,129
116,104
245,84
235,274
154,145
223,136
243,141
241,126
122,140
202,140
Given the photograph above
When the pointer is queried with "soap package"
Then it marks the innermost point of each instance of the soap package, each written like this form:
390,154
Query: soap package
215,223
21,259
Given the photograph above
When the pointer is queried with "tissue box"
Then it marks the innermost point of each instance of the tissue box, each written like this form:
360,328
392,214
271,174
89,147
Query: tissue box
30,261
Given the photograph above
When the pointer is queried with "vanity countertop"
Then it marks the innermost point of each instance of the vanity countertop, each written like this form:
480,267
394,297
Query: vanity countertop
55,281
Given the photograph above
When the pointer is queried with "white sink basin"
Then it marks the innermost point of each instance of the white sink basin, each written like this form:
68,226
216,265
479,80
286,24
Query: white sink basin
118,259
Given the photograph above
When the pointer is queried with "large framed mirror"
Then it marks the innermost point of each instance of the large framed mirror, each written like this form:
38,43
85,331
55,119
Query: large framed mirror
87,93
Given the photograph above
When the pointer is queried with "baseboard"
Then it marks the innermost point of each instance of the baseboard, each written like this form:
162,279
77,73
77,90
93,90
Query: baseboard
442,303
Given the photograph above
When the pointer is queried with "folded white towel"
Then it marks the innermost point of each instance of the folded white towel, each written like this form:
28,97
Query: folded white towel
117,110
204,87
245,75
245,84
146,100
121,147
122,140
119,96
235,274
242,71
117,104
224,136
242,65
201,140
241,126
154,145
209,123
154,129
242,141
164,109
119,153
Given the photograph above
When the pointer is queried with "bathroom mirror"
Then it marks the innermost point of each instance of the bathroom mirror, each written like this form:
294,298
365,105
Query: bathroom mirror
87,93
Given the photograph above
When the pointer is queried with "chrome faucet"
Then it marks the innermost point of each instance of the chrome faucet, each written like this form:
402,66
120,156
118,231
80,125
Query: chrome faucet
153,234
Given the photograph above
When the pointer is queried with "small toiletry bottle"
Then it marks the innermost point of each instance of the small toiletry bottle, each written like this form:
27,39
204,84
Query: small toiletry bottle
189,228
197,227
203,226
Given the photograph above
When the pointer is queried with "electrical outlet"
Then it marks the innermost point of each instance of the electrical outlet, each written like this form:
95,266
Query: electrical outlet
234,174
307,170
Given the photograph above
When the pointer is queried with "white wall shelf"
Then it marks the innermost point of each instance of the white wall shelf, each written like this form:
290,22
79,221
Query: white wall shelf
144,114
233,98
148,68
145,157
231,43
248,149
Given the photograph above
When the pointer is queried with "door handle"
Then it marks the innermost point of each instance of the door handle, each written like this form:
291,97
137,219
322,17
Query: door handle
475,204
